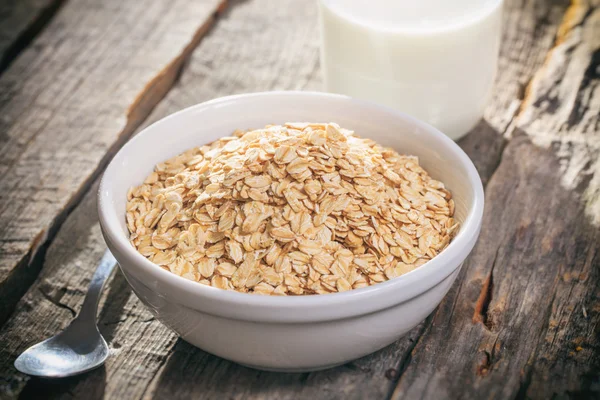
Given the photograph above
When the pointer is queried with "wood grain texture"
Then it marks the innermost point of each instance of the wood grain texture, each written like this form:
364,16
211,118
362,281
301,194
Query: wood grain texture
513,309
239,56
69,101
257,46
534,276
20,22
145,356
56,297
529,28
562,113
563,102
137,358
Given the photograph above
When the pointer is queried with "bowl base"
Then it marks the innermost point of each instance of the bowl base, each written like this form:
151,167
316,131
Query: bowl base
292,370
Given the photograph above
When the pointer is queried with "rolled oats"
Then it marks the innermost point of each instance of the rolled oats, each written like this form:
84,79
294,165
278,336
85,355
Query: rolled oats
303,208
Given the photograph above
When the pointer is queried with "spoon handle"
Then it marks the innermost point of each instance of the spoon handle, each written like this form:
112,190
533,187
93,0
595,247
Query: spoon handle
90,304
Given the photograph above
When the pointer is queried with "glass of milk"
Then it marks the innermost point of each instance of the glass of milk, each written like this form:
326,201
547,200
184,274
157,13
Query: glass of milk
433,59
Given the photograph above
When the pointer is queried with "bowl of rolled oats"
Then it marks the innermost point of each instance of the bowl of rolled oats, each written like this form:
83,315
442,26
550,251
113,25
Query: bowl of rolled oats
290,246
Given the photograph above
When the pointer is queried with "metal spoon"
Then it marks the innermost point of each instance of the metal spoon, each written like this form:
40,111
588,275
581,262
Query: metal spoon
80,347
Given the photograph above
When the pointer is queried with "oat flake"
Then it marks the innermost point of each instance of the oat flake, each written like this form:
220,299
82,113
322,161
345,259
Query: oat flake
304,208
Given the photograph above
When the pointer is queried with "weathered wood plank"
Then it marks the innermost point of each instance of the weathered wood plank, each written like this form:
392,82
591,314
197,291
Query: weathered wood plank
561,112
486,338
54,299
529,28
209,377
145,363
257,46
531,286
563,102
20,22
138,357
72,98
52,302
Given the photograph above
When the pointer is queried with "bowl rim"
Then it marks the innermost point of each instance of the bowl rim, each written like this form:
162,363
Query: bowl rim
354,302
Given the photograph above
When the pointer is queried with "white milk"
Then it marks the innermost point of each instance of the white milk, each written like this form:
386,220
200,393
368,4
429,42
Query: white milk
433,59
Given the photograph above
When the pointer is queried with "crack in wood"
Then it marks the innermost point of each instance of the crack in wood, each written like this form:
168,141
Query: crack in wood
484,366
145,102
56,300
489,357
117,322
407,357
24,39
528,369
481,313
524,384
153,92
21,278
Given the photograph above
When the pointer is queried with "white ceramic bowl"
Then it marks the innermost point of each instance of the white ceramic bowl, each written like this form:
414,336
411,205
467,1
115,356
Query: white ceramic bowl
290,333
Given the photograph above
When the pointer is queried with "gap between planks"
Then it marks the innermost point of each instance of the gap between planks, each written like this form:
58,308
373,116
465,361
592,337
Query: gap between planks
27,270
494,168
29,29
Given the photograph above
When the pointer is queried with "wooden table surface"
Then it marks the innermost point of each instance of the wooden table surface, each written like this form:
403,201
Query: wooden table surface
78,78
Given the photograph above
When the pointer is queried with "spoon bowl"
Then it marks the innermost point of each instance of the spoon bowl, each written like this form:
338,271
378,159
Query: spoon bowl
65,354
80,347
